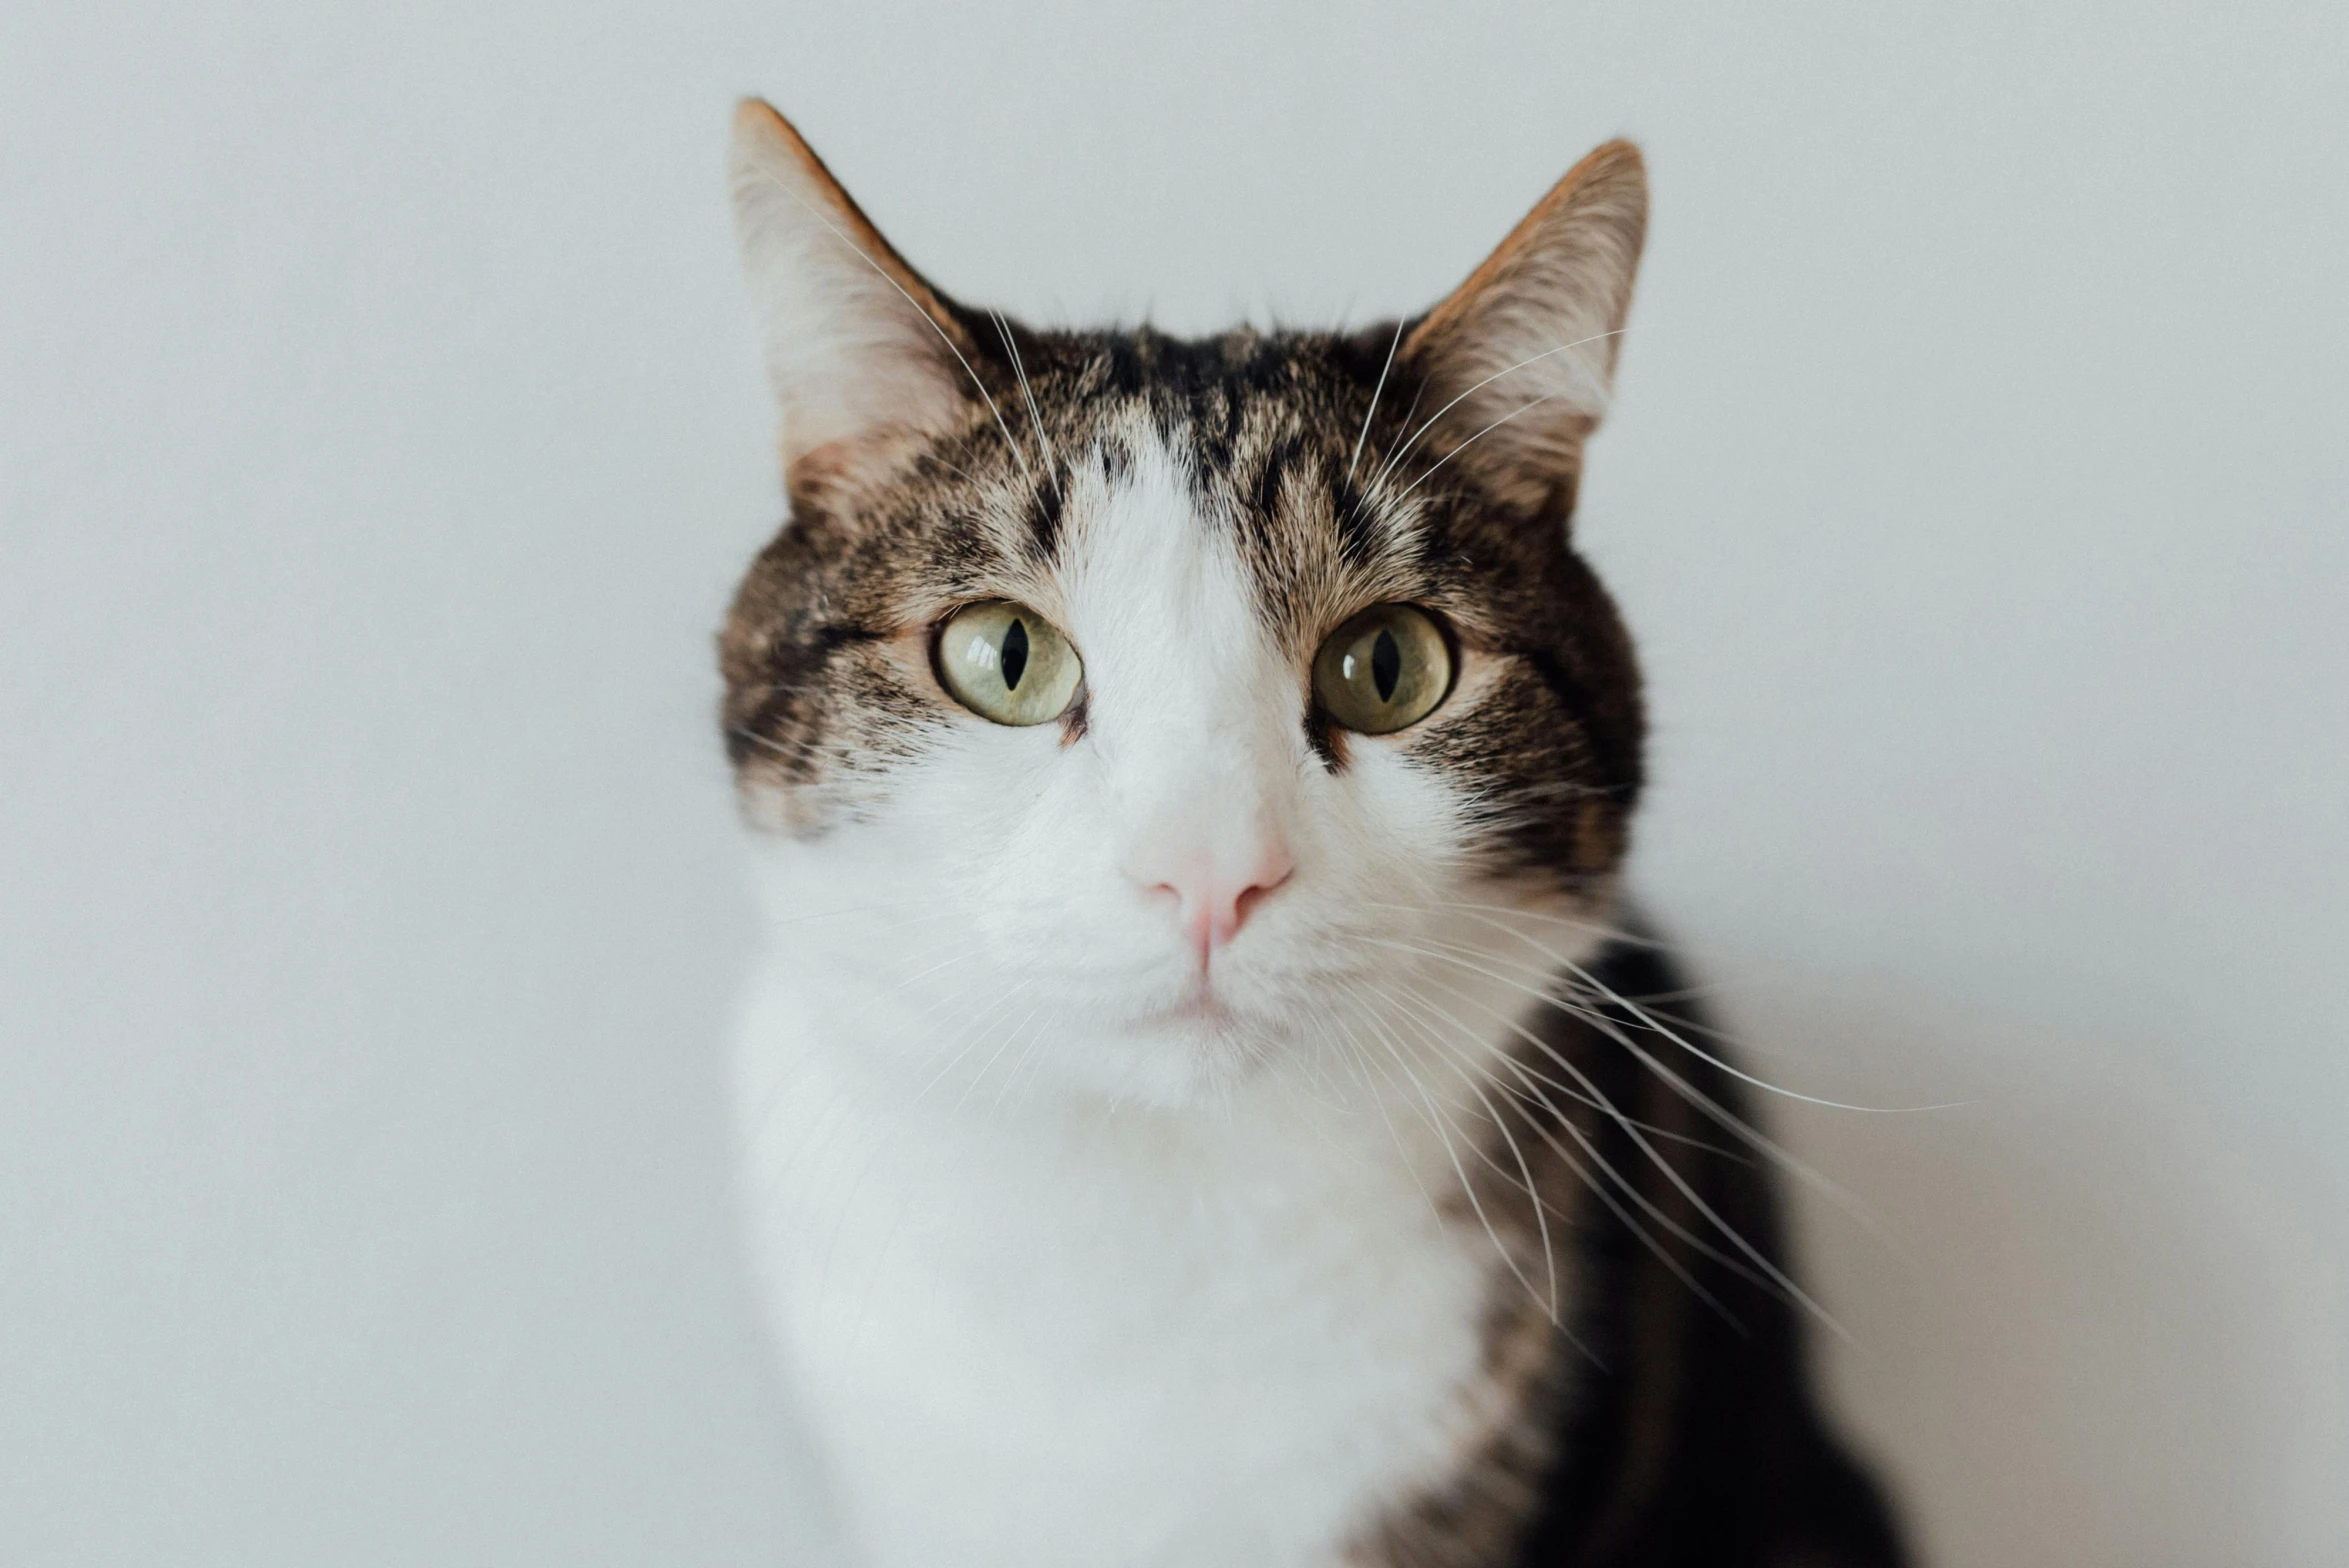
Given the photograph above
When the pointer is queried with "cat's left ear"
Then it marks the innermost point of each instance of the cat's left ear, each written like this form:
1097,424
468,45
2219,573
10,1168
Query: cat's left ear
857,344
1521,358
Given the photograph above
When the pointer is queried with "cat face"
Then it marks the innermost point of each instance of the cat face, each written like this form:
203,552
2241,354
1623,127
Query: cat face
1158,701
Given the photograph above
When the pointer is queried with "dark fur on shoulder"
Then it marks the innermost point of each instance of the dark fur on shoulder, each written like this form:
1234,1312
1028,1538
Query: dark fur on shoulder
1668,1420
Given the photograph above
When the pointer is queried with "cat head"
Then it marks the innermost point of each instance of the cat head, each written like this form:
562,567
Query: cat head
1153,702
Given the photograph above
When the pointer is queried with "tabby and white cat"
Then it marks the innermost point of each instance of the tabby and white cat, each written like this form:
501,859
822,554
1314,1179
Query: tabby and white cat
1201,1109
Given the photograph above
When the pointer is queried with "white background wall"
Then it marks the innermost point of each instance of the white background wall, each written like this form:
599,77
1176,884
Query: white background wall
380,433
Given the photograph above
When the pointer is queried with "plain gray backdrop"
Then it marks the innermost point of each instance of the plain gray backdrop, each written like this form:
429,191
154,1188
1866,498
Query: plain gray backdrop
380,433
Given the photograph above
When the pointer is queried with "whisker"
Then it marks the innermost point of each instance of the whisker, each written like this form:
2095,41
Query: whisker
1351,1052
1630,1188
1595,927
915,305
1669,1171
1649,1019
1027,391
1437,467
1595,1101
1554,1304
1001,1004
1372,412
1430,423
1467,1187
1644,1016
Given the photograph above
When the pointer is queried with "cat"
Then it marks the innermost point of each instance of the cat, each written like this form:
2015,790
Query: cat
1205,1103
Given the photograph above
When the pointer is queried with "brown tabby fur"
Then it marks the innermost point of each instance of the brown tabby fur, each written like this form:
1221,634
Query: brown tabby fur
1659,1414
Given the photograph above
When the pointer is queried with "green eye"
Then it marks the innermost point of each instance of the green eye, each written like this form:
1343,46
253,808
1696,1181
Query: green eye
1005,662
1384,670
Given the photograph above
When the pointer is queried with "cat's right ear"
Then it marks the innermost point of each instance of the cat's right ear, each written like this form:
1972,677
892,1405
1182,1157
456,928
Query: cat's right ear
857,345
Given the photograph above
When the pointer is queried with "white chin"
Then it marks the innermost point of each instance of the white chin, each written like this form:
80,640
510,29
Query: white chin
1172,1056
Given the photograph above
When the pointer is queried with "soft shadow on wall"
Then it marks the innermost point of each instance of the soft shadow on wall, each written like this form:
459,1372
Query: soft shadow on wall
2058,1301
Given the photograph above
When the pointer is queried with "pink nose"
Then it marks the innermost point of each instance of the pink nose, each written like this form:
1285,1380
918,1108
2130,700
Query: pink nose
1215,889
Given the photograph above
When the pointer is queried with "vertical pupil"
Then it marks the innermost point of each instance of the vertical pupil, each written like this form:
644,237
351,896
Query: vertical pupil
1386,664
1015,654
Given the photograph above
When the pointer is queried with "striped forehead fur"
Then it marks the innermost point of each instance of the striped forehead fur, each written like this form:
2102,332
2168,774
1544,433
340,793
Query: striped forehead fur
1332,504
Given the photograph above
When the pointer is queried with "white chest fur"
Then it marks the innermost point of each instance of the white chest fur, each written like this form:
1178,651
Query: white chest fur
1034,1335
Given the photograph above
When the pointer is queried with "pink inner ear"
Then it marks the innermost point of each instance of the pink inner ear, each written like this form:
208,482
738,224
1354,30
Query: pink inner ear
856,341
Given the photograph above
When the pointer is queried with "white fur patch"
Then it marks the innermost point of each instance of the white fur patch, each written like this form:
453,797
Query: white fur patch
1070,1270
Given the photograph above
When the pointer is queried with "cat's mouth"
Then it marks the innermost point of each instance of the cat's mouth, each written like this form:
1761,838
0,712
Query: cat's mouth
1200,1006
